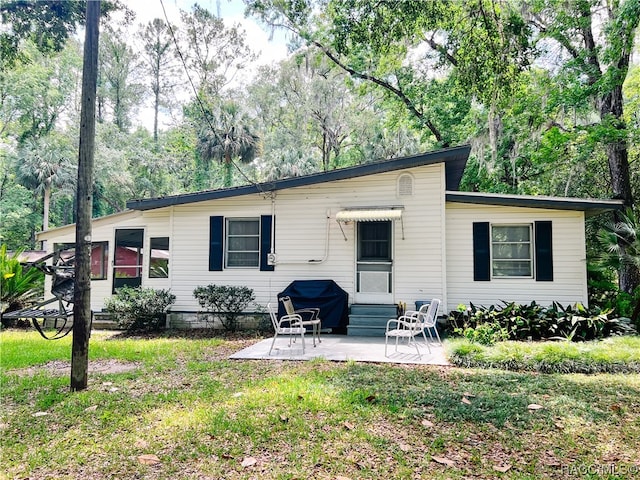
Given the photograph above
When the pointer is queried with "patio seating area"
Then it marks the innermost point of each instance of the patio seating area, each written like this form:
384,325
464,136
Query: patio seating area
342,348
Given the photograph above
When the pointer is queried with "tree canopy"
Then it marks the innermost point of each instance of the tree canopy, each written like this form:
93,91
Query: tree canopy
545,91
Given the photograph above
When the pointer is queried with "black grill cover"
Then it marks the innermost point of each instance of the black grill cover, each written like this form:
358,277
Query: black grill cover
326,295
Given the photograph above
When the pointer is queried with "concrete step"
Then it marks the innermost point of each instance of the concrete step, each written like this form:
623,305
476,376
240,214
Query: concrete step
369,320
103,321
364,331
105,325
372,309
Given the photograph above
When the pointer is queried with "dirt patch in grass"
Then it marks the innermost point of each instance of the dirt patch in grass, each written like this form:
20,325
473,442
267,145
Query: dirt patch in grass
59,367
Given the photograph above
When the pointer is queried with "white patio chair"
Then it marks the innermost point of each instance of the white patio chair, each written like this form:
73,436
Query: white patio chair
310,316
412,324
290,325
406,328
428,316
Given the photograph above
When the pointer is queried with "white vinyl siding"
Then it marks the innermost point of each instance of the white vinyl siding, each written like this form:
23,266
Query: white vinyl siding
309,243
569,284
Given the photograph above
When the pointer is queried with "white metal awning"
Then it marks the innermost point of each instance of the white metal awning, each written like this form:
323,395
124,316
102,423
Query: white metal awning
368,215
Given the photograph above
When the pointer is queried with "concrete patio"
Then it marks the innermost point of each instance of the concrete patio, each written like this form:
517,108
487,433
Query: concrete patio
341,348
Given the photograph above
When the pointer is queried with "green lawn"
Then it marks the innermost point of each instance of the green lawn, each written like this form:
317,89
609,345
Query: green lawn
610,355
186,412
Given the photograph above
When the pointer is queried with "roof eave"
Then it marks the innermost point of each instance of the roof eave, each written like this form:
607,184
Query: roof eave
591,207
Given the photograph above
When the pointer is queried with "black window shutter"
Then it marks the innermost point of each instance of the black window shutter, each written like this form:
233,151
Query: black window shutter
544,253
266,222
216,243
481,256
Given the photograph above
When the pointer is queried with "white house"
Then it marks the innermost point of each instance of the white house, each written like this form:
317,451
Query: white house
386,232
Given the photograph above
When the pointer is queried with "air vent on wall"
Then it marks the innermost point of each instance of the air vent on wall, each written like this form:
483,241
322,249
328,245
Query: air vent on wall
405,185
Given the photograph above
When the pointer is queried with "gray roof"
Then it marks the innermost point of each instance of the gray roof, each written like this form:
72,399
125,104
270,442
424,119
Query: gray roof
454,158
589,206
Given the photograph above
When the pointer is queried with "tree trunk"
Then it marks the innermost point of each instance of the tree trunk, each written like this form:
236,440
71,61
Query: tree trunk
156,99
228,170
46,206
156,107
82,282
611,109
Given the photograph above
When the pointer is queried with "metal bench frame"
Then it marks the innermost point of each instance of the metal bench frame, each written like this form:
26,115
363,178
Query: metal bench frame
63,272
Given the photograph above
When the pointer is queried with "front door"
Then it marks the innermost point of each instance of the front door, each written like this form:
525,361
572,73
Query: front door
374,262
127,257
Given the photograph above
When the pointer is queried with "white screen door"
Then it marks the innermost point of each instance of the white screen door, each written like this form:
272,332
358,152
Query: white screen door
374,262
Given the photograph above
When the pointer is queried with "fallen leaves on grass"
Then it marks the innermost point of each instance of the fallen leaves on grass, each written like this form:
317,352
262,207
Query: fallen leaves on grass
427,423
39,414
249,462
148,459
466,401
444,461
141,443
502,468
92,408
534,406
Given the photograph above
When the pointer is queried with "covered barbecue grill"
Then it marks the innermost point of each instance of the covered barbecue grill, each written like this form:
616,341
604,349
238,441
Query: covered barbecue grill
326,295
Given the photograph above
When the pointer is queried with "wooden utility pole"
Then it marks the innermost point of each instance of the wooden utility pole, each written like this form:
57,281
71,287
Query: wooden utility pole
82,283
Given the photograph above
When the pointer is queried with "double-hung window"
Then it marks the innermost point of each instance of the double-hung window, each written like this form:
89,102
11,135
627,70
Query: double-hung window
502,250
242,242
511,251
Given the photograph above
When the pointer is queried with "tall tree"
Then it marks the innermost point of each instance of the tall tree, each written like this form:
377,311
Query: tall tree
306,101
48,23
44,164
159,60
34,95
213,53
119,79
596,39
405,49
225,133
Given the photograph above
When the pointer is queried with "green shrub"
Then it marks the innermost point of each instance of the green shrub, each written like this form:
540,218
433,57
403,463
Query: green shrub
535,322
226,301
485,333
140,309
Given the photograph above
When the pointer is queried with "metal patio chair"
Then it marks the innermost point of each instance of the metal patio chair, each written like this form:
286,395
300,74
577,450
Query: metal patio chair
428,315
411,325
290,325
310,316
